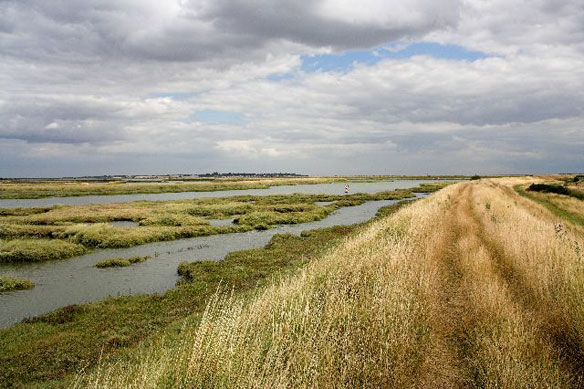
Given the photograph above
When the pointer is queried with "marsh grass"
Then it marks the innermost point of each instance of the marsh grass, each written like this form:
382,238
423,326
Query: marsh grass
430,187
106,236
38,250
271,218
8,284
120,262
32,190
88,225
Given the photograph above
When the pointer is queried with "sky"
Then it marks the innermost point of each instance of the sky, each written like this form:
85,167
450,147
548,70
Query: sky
94,87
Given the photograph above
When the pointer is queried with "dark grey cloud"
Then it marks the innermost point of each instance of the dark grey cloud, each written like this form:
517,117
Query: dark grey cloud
299,21
192,30
44,119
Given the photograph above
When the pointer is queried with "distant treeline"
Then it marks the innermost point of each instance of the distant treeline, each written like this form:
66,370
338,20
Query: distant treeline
230,174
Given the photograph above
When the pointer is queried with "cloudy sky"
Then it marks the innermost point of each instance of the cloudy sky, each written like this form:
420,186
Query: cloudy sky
92,87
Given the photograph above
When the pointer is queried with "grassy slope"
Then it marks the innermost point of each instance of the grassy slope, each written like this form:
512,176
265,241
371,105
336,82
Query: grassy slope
473,286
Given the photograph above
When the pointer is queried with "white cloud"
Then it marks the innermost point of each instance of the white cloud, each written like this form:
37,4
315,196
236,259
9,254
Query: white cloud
518,26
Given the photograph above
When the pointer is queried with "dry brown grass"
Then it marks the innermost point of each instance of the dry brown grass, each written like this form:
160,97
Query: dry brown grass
543,260
467,288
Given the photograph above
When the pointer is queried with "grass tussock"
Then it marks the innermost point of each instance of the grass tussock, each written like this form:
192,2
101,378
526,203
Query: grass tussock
107,236
38,250
120,262
430,187
9,284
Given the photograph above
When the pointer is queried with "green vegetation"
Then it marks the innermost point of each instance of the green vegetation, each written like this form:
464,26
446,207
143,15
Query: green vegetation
36,234
568,208
48,347
120,262
430,187
390,209
263,219
558,189
8,284
37,250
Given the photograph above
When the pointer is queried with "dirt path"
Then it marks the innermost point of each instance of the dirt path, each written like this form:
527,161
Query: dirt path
448,367
457,308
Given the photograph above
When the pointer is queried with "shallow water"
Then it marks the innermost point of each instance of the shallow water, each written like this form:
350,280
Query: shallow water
334,188
124,224
220,222
77,280
323,202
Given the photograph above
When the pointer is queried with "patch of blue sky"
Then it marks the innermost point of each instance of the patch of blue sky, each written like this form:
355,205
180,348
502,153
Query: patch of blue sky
173,95
345,61
217,117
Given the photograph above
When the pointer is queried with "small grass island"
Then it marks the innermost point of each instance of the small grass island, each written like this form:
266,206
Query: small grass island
9,284
120,262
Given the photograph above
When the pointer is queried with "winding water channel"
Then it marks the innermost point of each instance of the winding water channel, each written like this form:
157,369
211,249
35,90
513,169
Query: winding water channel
77,280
